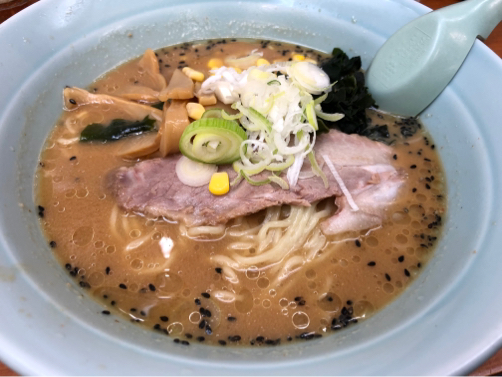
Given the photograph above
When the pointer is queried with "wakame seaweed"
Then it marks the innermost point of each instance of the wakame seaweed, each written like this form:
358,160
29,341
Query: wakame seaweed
349,95
116,130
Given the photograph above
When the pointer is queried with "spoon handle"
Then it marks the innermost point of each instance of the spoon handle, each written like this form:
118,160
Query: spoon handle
478,17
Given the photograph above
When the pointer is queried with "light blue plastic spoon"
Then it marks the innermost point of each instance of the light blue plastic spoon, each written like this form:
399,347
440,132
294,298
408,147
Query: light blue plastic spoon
417,62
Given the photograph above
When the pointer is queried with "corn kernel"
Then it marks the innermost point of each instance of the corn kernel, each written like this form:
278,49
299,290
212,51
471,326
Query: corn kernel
214,63
298,58
208,100
308,60
219,184
193,74
195,110
262,61
237,69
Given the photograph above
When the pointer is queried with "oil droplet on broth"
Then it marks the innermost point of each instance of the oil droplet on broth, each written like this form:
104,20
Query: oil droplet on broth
96,279
83,235
169,282
137,264
388,288
263,283
244,301
252,273
301,320
330,303
363,309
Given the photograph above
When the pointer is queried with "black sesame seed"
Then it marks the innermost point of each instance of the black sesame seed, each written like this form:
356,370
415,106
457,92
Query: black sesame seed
349,302
52,244
234,338
289,338
413,166
394,157
414,189
218,270
72,158
387,276
197,301
260,339
371,264
301,303
142,313
329,298
181,62
427,186
231,319
163,318
185,343
166,65
298,298
208,313
107,270
151,287
358,243
189,336
406,272
156,326
68,266
176,340
72,101
84,284
401,259
222,342
133,310
202,324
419,264
112,303
201,338
205,295
122,286
105,296
209,331
105,312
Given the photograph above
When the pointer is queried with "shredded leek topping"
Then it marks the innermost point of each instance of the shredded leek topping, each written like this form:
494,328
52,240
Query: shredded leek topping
277,110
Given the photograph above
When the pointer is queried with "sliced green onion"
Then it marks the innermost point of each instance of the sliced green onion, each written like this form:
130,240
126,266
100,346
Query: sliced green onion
227,116
253,182
239,167
279,181
237,180
280,166
274,82
212,141
256,118
331,117
213,113
194,174
316,169
311,115
321,99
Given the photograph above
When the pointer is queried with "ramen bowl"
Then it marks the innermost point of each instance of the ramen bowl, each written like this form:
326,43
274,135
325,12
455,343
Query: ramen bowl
447,322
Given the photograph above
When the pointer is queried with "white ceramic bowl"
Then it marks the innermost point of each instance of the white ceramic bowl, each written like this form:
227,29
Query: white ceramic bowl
447,322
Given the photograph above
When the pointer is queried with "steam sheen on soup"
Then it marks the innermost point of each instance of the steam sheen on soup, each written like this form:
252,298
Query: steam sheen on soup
283,272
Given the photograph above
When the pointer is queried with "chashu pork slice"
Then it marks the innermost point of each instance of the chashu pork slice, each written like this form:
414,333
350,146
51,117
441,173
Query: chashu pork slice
152,187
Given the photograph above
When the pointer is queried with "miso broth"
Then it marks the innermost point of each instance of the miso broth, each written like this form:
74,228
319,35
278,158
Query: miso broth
117,256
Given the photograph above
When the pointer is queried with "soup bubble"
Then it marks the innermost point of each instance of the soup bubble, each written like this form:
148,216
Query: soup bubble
301,320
